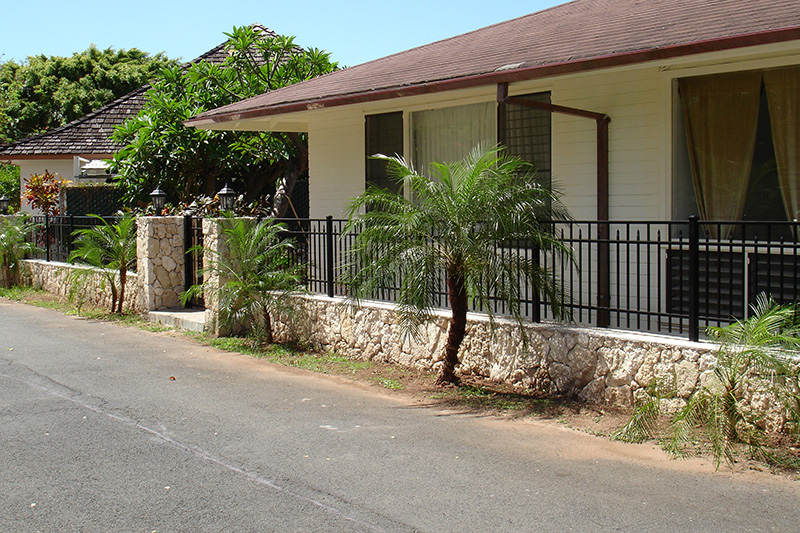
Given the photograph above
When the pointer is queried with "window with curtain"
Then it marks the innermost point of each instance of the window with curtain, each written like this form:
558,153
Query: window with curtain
742,137
448,134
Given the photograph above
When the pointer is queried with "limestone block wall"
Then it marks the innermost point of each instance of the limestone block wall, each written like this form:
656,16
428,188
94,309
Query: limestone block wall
213,245
594,365
160,261
54,277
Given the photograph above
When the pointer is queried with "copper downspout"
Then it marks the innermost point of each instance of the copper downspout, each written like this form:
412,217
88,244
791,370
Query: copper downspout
603,248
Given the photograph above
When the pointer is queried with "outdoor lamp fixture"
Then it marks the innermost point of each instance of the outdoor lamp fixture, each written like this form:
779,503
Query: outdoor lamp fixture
227,197
4,203
158,198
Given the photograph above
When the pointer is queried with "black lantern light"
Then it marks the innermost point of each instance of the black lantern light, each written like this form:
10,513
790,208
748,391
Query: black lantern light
4,203
227,197
158,199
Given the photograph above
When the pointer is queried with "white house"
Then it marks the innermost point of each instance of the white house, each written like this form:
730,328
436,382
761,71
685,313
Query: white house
639,110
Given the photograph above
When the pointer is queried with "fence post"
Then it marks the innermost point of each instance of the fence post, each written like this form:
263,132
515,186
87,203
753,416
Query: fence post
694,281
536,312
71,231
188,265
47,237
603,274
329,271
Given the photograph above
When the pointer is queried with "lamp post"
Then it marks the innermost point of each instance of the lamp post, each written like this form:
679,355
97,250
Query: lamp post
227,197
158,199
4,203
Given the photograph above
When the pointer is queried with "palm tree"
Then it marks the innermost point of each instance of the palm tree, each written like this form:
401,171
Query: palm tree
110,248
14,244
758,354
254,275
455,223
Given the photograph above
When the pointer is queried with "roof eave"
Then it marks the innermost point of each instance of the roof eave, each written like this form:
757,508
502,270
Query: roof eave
23,157
540,71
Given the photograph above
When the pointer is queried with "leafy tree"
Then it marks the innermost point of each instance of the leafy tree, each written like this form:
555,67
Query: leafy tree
110,248
45,92
252,278
759,354
454,223
187,162
14,233
9,184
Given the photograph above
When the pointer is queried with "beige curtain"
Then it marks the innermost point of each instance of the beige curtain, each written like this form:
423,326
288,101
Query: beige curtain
783,96
448,134
721,116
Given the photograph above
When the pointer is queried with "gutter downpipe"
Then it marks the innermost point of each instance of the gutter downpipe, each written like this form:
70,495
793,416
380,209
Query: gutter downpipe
603,241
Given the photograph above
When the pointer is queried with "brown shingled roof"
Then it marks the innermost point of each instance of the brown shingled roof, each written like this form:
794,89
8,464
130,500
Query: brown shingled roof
90,135
579,35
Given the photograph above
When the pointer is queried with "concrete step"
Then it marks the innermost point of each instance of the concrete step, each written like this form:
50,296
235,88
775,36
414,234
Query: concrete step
189,319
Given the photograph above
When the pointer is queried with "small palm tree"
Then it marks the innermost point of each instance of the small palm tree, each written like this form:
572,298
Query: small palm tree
110,248
14,244
461,222
761,353
254,275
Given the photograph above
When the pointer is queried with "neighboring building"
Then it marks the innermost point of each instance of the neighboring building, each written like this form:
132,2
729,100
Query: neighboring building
77,150
703,98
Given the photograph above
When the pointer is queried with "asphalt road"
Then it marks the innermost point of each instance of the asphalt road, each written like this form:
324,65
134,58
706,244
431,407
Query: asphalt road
95,436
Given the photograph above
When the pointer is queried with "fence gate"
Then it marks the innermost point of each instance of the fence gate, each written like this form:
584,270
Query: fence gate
193,236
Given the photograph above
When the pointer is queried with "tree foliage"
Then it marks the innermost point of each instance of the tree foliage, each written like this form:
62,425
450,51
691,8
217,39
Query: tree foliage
187,162
454,226
14,244
45,92
9,184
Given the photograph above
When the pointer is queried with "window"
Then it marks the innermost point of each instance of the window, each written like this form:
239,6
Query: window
448,134
526,133
738,154
384,135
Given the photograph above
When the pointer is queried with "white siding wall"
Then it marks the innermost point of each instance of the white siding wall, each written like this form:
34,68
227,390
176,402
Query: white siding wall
336,162
638,99
635,101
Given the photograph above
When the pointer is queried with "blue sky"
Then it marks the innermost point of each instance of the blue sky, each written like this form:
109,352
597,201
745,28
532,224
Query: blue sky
353,31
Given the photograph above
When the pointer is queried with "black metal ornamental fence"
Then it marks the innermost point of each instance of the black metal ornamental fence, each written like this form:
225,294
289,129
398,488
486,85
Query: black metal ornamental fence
672,277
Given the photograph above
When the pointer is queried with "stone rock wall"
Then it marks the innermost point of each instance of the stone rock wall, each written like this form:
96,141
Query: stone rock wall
160,261
54,277
591,364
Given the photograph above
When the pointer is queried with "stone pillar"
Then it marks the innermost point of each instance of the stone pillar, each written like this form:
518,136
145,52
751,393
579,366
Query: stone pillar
212,245
161,261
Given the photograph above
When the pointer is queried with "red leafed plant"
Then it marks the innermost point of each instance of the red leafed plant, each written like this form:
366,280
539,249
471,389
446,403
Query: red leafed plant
42,191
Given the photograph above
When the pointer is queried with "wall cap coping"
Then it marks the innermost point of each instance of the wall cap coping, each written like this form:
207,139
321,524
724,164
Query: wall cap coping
608,333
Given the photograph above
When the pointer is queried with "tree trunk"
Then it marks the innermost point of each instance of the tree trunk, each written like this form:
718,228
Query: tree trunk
123,275
267,328
297,165
5,274
284,189
457,293
113,295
